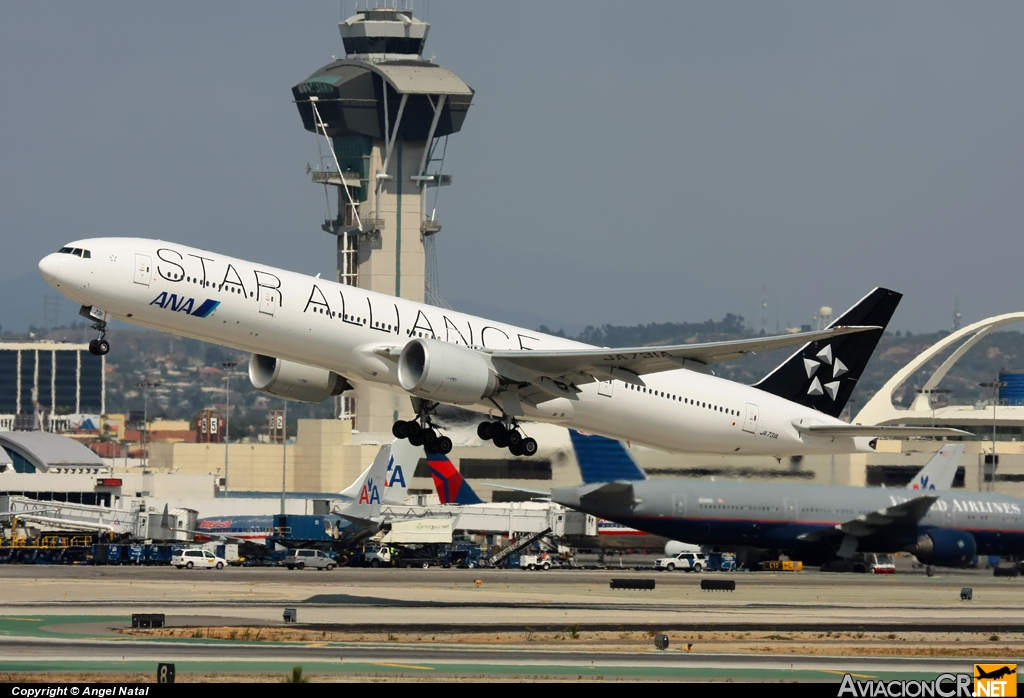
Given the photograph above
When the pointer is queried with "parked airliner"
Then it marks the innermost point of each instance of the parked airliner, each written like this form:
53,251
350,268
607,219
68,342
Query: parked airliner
311,338
814,523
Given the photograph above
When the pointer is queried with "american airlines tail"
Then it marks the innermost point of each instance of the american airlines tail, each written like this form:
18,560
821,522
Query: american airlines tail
822,375
450,485
603,460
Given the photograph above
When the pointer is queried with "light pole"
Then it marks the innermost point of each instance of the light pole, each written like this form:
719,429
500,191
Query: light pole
934,391
284,457
995,385
145,385
228,365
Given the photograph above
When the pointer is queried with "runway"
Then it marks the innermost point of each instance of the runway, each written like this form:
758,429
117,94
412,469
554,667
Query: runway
356,623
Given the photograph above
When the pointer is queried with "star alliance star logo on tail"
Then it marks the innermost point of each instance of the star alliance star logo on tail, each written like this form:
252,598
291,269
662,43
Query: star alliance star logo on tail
824,359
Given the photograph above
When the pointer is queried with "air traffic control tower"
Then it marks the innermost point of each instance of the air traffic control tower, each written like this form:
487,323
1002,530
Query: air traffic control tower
383,115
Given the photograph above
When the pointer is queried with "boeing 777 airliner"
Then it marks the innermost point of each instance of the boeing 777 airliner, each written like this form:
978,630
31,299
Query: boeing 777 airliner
311,338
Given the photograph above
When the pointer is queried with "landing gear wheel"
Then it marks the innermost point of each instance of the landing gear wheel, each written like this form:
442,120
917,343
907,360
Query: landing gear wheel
499,440
515,449
400,429
528,447
92,346
102,347
514,438
416,439
428,435
484,430
443,445
498,430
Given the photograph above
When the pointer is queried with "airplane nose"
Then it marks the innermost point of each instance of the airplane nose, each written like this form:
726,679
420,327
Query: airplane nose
49,266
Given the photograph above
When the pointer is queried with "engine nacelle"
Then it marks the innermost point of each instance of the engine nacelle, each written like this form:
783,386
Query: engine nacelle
946,548
294,381
445,372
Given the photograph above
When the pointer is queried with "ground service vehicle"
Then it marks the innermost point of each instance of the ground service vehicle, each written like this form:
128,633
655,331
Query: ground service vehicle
690,562
316,559
195,557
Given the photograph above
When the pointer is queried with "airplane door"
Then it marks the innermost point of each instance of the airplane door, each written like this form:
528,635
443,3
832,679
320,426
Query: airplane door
679,506
266,303
750,423
790,505
143,265
604,388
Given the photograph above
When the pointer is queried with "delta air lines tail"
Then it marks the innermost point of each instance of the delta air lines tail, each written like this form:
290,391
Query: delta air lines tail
450,485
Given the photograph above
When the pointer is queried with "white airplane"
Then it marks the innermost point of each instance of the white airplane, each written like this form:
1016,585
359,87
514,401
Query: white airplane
312,338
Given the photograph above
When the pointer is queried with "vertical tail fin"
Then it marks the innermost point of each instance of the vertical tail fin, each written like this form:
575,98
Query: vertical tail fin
823,374
939,472
368,490
451,487
603,460
401,466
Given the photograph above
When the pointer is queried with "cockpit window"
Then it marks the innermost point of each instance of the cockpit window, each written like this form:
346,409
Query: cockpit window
77,251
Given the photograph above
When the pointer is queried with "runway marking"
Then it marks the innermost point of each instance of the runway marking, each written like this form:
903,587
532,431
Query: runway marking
36,620
403,666
843,673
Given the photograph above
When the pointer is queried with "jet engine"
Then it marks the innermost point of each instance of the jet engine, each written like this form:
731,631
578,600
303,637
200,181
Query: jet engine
946,548
294,381
445,372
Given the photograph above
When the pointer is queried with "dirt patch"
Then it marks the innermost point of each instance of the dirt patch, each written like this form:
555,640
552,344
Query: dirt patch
911,644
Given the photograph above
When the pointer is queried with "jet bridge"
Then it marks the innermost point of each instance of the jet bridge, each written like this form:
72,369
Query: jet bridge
137,521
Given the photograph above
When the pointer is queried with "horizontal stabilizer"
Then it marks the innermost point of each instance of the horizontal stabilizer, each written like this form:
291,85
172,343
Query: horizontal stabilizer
540,494
609,493
867,430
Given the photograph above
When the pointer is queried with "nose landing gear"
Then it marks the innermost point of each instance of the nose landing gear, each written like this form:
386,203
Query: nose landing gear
507,436
99,346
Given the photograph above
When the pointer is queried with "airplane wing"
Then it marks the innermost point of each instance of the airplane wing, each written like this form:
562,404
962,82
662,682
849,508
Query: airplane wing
867,430
628,364
899,515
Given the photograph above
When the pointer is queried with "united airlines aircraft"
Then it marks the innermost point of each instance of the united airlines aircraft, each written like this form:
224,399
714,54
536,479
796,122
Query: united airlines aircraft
311,338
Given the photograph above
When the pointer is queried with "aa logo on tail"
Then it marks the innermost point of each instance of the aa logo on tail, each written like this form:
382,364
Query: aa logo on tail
394,474
369,494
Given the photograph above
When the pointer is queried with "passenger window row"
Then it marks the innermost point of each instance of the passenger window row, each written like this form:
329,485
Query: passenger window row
684,400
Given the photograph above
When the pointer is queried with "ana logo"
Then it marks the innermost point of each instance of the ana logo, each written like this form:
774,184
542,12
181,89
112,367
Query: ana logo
824,358
394,474
995,679
369,494
181,304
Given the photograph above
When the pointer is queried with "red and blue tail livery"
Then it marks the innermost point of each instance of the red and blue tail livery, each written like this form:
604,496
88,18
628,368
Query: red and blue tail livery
451,487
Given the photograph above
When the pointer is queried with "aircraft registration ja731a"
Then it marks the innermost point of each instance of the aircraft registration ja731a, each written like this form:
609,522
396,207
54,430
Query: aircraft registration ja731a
311,338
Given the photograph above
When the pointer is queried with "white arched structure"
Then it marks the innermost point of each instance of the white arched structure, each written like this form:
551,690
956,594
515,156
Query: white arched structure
879,410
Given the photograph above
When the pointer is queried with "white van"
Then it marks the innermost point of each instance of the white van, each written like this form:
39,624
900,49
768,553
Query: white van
195,557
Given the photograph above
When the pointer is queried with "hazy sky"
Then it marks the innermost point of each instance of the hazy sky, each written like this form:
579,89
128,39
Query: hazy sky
622,162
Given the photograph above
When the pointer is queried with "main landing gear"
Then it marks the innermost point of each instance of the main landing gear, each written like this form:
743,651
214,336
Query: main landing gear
507,436
421,432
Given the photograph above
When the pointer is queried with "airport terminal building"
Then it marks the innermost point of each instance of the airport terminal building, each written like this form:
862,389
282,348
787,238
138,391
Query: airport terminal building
49,378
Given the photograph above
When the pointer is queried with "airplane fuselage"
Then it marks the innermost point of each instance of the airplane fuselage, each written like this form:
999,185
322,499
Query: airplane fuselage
316,322
775,516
